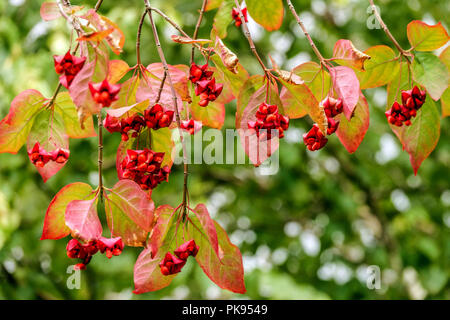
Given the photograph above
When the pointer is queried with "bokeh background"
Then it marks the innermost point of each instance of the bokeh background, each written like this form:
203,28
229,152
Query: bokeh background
308,232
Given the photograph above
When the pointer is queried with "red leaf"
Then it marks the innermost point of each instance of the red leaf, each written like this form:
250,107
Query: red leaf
79,91
50,11
82,219
346,54
346,85
225,269
147,273
54,222
351,133
202,214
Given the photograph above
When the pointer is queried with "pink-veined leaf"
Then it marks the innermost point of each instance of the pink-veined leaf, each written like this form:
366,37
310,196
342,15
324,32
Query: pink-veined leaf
346,85
68,111
98,53
164,221
16,126
54,222
117,70
48,130
147,272
207,224
249,88
258,150
351,133
425,37
82,219
431,73
129,211
50,11
267,13
225,269
346,54
80,94
380,69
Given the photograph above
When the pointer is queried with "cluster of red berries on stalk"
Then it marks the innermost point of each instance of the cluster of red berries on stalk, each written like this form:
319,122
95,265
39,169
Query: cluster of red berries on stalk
68,67
316,139
412,101
191,126
237,19
205,84
85,251
144,167
268,119
172,264
40,157
154,118
104,93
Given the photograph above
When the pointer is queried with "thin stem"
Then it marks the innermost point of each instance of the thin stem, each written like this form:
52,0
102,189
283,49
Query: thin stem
138,38
388,33
52,100
250,41
163,80
100,154
308,36
174,97
197,27
97,5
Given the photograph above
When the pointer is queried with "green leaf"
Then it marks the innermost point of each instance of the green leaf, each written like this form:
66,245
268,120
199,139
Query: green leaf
48,130
380,69
16,126
431,73
68,111
253,84
424,37
268,13
351,133
129,211
445,103
223,18
318,81
127,93
54,222
213,4
234,80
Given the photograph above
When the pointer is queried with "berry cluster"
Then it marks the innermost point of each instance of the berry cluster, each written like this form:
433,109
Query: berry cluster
77,250
172,264
157,117
104,93
237,19
412,101
268,119
68,66
154,118
144,167
39,157
315,139
191,126
205,84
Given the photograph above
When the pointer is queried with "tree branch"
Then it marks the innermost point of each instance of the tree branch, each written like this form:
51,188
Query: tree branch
250,41
100,154
308,36
197,27
174,97
138,39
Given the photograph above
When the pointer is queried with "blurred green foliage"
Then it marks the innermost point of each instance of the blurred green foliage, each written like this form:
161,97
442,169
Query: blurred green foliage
308,232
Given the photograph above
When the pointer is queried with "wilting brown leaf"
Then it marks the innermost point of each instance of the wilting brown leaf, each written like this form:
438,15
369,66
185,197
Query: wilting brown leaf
180,39
229,59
